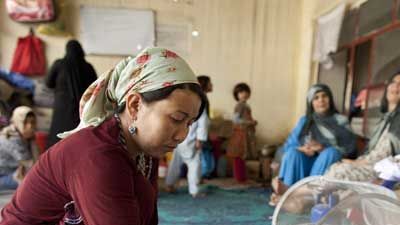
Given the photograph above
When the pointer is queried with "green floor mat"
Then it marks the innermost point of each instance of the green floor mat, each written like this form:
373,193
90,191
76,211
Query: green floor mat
219,207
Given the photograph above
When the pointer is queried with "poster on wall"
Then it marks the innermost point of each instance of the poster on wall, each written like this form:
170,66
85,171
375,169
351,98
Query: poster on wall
30,10
116,31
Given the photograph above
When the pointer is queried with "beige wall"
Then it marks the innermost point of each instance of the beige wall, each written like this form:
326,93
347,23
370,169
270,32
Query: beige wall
266,43
307,71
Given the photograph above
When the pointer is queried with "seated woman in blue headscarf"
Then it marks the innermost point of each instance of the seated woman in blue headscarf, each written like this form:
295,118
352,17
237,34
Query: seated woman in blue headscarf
321,138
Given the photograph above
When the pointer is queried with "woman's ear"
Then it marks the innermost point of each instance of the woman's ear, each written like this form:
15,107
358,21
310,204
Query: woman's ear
133,103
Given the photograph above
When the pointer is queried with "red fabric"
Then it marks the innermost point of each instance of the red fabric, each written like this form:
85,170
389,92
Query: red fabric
237,144
239,169
216,147
41,140
29,58
92,169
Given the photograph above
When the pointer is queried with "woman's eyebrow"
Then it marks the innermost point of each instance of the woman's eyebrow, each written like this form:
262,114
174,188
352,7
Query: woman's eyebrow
185,113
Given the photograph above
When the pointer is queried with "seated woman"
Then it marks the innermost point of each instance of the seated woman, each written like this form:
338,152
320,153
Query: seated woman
105,170
321,138
16,145
383,143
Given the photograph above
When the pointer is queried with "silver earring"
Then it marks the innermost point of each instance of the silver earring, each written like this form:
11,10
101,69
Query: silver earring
132,129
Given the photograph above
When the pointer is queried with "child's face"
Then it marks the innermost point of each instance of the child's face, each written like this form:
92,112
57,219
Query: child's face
243,96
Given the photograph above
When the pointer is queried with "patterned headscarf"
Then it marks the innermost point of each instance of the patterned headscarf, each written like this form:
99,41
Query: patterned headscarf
17,121
150,70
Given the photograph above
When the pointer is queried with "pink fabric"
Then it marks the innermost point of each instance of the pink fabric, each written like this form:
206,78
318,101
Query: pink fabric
361,97
30,11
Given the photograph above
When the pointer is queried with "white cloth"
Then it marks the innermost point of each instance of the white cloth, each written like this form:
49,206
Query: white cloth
193,174
389,168
327,35
198,131
187,153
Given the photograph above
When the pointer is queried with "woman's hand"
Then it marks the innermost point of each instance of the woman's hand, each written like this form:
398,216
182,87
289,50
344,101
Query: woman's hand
198,145
349,161
307,150
315,146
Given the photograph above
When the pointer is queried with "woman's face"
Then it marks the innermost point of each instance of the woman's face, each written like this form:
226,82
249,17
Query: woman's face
393,92
162,125
29,127
320,103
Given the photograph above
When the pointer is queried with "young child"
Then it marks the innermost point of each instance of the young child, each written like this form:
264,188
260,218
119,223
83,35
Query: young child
242,116
242,143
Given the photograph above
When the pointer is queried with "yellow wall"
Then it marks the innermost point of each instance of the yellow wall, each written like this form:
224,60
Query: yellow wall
266,43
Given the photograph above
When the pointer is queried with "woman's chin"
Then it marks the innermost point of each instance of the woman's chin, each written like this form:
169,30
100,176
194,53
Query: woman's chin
161,153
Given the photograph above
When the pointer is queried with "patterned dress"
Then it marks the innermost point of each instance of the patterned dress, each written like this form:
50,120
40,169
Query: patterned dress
243,140
12,150
364,172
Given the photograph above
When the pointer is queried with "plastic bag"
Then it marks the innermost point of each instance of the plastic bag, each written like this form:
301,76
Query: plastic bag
29,58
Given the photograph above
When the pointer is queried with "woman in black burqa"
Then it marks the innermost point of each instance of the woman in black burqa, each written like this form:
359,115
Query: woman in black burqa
69,76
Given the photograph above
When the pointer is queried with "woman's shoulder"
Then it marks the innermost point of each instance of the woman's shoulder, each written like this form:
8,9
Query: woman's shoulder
89,139
90,145
58,62
302,119
106,134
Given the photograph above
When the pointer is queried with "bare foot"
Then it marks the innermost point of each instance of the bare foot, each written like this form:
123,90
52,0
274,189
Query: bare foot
278,186
274,199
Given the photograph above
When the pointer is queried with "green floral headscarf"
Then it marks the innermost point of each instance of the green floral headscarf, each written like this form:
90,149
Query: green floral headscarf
152,69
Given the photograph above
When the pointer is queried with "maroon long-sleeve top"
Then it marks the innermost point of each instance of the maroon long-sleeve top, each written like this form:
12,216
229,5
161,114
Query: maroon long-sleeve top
92,169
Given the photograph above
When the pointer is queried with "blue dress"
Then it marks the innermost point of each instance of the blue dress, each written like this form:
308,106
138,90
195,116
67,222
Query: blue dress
296,165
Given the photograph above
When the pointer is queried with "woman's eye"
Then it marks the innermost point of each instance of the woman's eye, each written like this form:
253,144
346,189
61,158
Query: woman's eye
177,119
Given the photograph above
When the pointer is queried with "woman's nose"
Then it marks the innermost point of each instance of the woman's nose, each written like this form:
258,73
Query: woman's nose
181,133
